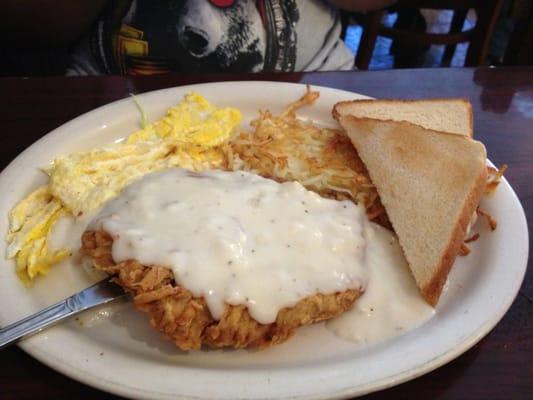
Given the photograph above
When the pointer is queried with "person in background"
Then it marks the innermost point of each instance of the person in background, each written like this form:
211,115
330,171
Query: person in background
149,37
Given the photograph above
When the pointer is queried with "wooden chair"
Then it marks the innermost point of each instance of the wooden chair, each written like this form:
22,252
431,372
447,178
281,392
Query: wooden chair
487,13
520,47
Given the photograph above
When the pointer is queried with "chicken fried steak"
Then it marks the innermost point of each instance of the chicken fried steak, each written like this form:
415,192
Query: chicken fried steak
186,320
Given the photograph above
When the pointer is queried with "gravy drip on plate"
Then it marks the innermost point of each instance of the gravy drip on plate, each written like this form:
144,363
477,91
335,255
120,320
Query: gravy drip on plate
391,304
237,238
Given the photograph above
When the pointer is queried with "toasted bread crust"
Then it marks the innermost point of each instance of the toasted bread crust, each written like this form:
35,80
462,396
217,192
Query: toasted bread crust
336,114
433,289
471,119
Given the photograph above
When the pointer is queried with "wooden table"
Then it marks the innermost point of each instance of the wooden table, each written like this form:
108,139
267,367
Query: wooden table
500,366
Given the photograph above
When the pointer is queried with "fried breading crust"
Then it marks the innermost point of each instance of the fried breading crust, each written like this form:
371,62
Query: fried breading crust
186,320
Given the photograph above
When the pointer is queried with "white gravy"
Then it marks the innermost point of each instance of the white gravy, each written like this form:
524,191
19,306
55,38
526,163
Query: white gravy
391,304
237,238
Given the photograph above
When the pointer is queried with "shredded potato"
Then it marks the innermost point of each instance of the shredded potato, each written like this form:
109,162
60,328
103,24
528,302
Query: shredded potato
472,238
493,179
490,219
285,148
464,250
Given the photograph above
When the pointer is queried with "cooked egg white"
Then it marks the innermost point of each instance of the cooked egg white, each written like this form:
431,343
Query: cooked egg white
81,182
84,181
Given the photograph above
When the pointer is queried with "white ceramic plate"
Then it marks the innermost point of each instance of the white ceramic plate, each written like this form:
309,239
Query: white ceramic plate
119,353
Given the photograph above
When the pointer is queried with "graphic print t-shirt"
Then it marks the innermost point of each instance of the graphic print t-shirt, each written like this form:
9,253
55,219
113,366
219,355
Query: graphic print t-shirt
157,36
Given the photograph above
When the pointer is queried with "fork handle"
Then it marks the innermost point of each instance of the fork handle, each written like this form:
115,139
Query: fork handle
38,321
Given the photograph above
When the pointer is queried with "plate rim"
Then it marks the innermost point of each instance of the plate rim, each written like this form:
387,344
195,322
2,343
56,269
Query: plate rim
436,362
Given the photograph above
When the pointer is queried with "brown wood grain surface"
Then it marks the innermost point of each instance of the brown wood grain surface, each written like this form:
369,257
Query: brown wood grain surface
500,366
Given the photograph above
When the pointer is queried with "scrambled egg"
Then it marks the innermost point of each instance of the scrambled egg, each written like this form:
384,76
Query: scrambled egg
193,121
84,181
30,223
187,137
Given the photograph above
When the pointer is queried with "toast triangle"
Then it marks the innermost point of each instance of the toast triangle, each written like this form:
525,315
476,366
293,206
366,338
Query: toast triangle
430,184
445,115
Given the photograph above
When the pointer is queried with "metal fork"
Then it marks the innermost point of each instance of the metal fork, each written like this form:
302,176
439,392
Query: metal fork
100,293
